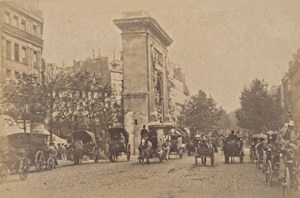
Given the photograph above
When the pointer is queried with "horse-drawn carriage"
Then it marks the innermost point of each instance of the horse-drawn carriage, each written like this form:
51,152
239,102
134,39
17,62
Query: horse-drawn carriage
84,143
35,147
154,146
176,147
118,143
233,147
12,161
283,164
256,139
203,149
257,153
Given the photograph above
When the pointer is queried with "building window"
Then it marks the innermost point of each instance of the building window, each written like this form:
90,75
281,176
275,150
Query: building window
8,74
23,25
35,59
16,21
7,17
8,49
16,50
34,28
24,55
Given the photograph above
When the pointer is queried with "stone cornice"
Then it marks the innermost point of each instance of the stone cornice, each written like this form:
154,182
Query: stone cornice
126,25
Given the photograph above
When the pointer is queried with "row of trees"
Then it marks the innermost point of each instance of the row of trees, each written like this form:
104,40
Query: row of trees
201,114
67,102
260,108
260,111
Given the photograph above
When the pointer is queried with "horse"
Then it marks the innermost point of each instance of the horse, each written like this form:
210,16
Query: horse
144,151
77,149
166,149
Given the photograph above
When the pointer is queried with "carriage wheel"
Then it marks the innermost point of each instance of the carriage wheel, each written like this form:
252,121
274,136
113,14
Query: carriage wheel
50,163
286,186
24,168
3,173
96,154
269,174
39,161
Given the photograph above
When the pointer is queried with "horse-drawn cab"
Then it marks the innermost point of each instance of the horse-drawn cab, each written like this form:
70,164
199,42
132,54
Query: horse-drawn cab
257,149
34,146
203,149
12,161
152,147
118,143
255,140
284,164
84,143
176,147
233,147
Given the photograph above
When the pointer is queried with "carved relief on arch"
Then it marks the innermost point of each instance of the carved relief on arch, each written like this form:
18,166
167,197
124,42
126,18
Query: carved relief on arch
158,92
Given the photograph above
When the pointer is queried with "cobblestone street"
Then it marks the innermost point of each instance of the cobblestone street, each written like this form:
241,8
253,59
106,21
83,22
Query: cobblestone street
173,178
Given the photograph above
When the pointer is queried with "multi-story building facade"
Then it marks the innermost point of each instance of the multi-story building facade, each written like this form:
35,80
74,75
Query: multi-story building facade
290,90
110,72
116,75
294,76
179,92
21,29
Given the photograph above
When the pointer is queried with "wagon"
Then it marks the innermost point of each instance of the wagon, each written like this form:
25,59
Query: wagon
12,161
84,144
118,143
34,146
233,147
203,150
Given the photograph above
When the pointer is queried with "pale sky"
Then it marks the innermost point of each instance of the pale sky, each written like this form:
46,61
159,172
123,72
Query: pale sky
222,45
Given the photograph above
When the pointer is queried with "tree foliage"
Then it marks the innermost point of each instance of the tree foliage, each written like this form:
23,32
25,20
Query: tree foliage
88,102
18,99
259,111
200,113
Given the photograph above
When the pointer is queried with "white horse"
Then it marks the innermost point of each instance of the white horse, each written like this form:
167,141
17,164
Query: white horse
144,151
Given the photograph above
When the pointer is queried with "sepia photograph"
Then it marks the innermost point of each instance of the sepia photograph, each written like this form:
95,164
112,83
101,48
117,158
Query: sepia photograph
149,98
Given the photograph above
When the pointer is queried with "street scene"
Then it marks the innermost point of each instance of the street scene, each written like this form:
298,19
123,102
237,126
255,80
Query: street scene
150,99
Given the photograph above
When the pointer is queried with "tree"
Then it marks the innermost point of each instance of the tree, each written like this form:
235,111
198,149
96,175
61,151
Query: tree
200,113
88,99
224,122
258,109
18,99
49,94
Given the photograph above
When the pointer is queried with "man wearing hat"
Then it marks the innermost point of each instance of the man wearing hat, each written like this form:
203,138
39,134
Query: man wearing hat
289,134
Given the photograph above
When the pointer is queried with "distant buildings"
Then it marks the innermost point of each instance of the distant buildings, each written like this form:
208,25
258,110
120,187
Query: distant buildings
21,27
110,72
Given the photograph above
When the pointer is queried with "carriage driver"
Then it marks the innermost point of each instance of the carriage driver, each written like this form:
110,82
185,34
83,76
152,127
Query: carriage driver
144,133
